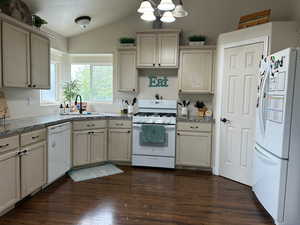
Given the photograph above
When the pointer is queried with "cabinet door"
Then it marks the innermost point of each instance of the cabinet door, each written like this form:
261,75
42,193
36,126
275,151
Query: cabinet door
16,56
10,180
33,168
81,148
119,145
99,145
168,45
127,73
195,72
146,50
40,62
193,149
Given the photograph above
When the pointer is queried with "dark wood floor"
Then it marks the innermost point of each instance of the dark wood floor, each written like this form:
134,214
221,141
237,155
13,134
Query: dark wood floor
142,197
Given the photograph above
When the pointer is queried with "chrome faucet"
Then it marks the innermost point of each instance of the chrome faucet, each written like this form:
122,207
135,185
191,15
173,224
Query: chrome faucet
80,103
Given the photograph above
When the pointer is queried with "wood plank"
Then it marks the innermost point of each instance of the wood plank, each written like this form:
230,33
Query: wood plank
142,196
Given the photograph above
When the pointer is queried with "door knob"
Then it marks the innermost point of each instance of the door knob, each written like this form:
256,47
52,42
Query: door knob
224,120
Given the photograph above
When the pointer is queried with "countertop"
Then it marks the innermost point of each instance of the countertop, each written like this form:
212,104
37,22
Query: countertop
32,123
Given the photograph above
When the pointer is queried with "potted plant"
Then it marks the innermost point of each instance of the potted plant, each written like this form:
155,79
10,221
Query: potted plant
38,21
127,42
201,108
70,91
197,40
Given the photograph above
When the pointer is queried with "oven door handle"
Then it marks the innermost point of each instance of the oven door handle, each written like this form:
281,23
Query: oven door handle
166,126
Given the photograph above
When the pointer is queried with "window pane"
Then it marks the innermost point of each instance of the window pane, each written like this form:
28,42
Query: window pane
102,83
50,96
96,82
83,75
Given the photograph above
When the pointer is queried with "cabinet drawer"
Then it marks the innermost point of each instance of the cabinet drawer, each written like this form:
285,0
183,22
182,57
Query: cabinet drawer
9,143
33,137
199,127
120,124
89,124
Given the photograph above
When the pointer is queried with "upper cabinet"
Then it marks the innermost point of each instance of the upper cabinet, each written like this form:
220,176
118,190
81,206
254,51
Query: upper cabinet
158,49
196,71
25,55
16,56
40,62
127,72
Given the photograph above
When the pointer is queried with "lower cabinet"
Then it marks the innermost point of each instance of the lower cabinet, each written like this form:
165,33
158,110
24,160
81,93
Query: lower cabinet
119,145
193,149
10,179
89,146
33,168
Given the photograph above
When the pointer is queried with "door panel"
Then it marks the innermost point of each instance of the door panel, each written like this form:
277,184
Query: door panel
146,50
33,168
40,62
168,50
10,180
81,148
238,107
98,146
16,56
119,145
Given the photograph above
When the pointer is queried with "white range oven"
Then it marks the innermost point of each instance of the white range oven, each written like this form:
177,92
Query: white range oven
154,134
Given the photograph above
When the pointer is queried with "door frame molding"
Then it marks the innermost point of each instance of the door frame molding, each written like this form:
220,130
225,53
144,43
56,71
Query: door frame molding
218,96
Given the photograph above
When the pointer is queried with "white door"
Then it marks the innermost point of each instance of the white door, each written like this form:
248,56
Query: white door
168,45
16,56
98,145
40,62
241,68
127,72
195,71
146,50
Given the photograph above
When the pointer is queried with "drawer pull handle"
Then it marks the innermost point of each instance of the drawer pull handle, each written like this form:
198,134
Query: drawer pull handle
3,146
35,137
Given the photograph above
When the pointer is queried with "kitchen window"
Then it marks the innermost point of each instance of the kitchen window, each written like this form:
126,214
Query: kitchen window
96,81
51,96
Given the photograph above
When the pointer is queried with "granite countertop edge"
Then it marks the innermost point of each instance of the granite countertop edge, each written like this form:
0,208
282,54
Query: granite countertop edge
23,125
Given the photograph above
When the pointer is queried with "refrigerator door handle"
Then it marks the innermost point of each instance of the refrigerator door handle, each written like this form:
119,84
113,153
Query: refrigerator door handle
264,157
262,105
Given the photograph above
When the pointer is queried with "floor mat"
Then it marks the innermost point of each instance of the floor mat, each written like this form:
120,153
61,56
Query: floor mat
94,172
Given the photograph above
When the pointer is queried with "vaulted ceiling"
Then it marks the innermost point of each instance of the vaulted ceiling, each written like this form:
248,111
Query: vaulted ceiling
61,13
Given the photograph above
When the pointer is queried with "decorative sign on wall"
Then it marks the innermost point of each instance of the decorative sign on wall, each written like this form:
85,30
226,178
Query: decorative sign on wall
155,81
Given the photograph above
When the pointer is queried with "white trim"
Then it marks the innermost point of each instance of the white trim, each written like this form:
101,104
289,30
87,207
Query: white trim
219,91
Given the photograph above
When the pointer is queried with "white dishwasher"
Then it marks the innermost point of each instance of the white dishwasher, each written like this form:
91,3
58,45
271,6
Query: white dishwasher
59,151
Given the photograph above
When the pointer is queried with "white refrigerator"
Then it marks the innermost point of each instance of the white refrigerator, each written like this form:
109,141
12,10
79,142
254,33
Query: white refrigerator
277,150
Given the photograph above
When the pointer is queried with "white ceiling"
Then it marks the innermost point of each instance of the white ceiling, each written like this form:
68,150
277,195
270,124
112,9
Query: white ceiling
60,14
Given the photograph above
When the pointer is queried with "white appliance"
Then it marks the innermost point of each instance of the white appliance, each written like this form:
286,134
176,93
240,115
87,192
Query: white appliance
277,150
59,151
160,113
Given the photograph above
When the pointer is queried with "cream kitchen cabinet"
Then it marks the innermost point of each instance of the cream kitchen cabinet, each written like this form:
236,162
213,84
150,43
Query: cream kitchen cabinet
126,70
193,145
119,140
25,56
89,146
40,62
196,71
33,168
16,56
158,49
9,172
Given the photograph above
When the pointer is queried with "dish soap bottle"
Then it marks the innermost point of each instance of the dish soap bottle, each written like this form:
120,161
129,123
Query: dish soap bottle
61,109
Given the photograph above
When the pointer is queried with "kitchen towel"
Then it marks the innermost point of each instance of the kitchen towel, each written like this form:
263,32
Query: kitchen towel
153,135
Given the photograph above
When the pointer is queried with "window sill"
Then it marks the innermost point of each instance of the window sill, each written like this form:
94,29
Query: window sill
49,104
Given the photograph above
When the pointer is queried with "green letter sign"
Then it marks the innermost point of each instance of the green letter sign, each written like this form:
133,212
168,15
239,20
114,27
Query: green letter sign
155,81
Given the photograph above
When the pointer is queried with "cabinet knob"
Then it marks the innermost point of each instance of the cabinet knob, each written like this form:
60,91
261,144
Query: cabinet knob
159,64
129,132
34,85
153,64
180,90
29,85
133,89
178,134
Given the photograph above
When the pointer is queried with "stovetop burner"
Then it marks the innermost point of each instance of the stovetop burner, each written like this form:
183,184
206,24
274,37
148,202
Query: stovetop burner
155,114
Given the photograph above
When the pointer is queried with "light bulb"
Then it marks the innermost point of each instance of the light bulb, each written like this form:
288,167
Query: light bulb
168,17
145,7
166,5
148,16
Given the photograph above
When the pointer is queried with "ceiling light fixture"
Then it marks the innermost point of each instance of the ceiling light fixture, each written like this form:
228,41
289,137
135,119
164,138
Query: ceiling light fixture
166,5
180,11
83,21
165,10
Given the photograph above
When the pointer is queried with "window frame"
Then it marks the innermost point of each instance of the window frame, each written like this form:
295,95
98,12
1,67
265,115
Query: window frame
58,72
91,75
